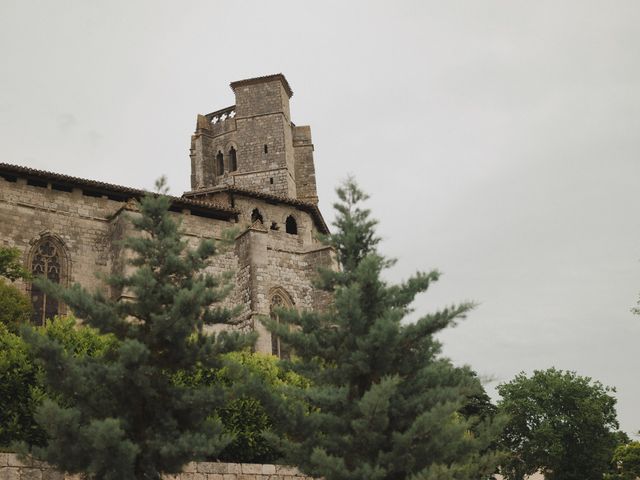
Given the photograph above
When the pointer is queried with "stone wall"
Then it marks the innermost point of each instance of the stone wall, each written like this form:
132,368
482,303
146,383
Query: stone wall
89,228
273,155
12,468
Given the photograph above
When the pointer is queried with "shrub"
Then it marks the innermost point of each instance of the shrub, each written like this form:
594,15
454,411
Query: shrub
21,388
15,307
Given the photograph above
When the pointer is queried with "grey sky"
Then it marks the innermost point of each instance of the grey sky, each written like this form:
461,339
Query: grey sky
498,140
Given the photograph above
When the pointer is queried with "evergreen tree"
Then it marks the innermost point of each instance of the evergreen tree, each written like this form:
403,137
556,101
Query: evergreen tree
123,415
384,404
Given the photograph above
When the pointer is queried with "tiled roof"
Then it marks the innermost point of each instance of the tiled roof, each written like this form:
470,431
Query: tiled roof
309,207
111,189
266,78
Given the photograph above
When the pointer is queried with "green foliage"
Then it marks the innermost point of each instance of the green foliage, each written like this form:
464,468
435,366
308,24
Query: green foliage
21,386
11,264
15,307
124,415
626,458
560,423
244,416
382,402
20,392
76,339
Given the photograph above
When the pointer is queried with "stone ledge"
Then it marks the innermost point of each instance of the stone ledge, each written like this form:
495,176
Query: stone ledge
14,468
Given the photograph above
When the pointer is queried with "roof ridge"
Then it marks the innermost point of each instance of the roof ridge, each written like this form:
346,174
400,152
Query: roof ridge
137,192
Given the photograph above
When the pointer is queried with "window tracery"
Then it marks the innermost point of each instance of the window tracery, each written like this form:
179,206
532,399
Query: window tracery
279,300
48,261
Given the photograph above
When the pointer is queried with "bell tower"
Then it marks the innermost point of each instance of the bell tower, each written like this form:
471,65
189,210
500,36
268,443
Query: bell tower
254,145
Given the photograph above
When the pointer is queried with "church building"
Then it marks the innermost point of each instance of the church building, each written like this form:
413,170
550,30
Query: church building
252,169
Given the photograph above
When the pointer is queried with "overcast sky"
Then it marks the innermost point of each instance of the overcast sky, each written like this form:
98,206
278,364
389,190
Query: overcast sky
499,141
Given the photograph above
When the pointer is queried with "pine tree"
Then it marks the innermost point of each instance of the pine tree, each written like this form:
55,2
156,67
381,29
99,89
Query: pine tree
125,415
384,404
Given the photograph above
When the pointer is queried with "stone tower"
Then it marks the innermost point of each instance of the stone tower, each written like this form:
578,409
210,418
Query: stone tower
252,172
254,144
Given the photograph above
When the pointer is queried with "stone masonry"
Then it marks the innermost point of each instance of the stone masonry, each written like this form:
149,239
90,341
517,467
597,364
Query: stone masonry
252,170
14,468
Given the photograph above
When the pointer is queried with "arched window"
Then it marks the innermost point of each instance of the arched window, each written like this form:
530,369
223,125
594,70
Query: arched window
233,160
291,226
279,299
47,259
219,163
256,215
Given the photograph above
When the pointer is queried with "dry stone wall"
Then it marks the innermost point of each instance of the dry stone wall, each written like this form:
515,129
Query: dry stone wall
14,468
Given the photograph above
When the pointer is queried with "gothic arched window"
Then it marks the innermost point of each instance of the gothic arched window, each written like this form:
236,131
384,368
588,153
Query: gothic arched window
48,260
219,164
233,159
279,300
291,225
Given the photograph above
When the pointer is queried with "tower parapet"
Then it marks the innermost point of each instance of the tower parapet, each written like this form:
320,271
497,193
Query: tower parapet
254,145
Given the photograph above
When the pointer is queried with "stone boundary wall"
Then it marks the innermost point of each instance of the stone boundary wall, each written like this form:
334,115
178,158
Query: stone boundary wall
12,468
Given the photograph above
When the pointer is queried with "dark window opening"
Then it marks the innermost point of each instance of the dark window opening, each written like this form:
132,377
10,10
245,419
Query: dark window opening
256,216
46,262
61,188
274,226
10,178
92,193
233,159
36,183
266,148
291,225
219,164
271,180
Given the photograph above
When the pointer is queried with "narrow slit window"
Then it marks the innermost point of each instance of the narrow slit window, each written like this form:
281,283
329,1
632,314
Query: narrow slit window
219,163
266,148
233,159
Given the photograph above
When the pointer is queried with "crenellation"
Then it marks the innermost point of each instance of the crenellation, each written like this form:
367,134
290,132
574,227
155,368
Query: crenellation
260,126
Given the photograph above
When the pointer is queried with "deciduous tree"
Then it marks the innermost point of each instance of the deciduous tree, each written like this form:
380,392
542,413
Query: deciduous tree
560,423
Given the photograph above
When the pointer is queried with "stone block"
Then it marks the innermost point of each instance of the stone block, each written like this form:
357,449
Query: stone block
51,474
13,460
190,467
9,473
213,467
252,468
268,469
286,470
30,474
